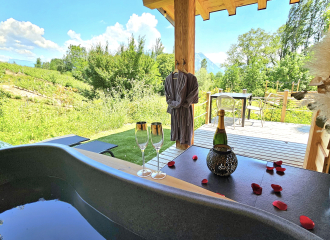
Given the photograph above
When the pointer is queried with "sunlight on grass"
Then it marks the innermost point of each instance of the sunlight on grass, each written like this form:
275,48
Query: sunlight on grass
127,148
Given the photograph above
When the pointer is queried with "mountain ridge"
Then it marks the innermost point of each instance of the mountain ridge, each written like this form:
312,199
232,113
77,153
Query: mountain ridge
211,66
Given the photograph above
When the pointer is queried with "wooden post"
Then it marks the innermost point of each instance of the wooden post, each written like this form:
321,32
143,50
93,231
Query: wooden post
184,15
208,99
285,101
298,85
266,89
277,86
326,164
292,87
317,151
220,90
244,92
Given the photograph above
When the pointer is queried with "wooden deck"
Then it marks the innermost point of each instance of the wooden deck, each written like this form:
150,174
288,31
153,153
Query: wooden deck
273,142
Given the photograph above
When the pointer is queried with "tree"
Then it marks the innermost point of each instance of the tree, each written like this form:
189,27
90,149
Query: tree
255,76
116,72
38,63
232,78
251,45
158,48
75,59
166,65
218,78
46,65
57,65
291,69
204,63
204,80
305,25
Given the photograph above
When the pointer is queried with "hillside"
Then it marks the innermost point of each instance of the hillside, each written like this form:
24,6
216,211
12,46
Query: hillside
38,104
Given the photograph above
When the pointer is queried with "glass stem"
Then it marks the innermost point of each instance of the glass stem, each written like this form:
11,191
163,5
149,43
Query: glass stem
142,150
158,158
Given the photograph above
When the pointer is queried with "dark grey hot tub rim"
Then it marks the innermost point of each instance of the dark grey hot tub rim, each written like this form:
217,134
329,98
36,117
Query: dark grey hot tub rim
146,208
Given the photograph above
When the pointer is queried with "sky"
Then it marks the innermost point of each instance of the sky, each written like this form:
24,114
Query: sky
45,29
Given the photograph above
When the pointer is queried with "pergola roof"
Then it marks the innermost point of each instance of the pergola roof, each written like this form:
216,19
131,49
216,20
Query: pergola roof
205,7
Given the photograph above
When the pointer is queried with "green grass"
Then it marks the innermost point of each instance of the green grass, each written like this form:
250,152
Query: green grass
129,151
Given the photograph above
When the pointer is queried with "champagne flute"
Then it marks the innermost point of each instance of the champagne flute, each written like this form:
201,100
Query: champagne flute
142,138
157,139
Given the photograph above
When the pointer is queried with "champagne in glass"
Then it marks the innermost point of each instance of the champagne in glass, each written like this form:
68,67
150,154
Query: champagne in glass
142,138
157,139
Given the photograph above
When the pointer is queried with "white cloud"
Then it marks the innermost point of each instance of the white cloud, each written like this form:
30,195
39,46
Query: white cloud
217,58
170,26
22,40
2,40
13,31
144,25
25,52
4,58
74,35
18,45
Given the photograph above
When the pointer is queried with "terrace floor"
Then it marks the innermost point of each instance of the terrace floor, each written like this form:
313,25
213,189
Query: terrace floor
273,142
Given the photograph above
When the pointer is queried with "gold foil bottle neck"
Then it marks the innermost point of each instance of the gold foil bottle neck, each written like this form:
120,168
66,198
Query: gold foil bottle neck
221,113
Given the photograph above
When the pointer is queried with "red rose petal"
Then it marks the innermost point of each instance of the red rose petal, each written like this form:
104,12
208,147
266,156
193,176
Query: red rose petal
258,191
278,163
280,169
277,188
306,222
171,163
270,168
195,157
204,181
280,205
256,188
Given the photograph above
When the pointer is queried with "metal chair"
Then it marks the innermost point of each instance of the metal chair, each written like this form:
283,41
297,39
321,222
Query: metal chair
226,103
259,105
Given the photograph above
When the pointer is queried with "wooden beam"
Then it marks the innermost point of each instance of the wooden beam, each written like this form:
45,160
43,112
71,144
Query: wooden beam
294,1
231,7
184,12
152,4
169,12
262,4
202,10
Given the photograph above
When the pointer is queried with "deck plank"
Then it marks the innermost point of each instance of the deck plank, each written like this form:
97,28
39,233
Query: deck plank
275,141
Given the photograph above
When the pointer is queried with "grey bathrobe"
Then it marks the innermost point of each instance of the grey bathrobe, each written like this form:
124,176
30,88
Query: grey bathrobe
180,94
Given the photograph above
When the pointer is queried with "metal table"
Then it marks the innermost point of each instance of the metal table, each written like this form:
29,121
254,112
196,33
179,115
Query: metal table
305,192
242,96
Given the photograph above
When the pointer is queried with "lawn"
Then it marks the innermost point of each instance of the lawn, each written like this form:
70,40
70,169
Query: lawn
129,151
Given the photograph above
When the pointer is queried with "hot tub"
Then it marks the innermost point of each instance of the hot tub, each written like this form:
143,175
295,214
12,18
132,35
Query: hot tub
111,204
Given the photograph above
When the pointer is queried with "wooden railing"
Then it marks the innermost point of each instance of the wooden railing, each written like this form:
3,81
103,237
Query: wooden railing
282,98
278,83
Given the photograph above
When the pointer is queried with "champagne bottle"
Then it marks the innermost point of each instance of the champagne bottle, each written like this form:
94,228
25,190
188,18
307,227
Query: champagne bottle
220,136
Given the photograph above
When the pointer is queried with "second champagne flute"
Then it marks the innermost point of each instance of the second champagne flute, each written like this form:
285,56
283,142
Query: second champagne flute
157,139
142,138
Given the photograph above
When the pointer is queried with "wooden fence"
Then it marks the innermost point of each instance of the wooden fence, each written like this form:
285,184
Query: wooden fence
293,84
279,100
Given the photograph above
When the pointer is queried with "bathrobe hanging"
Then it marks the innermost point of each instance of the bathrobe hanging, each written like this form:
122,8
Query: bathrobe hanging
180,94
